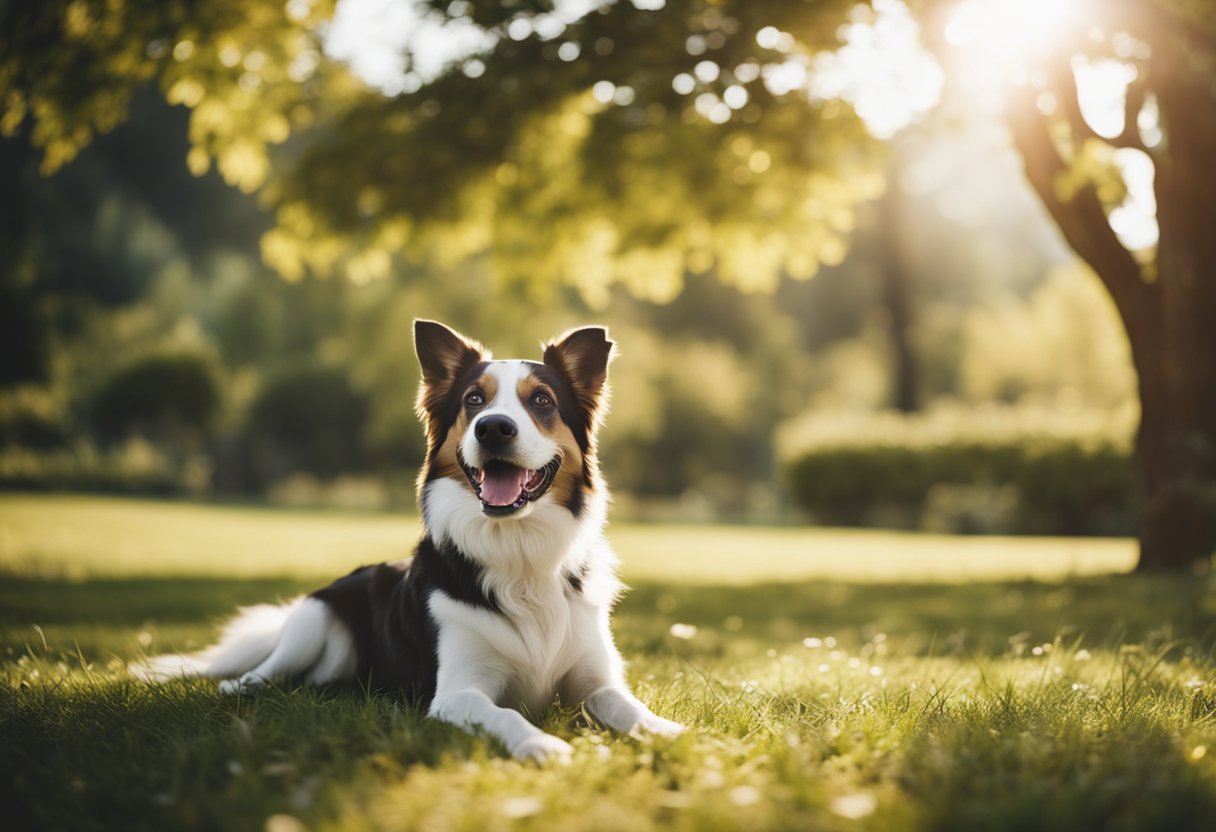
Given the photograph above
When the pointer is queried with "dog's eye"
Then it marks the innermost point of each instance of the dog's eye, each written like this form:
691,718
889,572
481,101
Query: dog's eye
541,399
475,399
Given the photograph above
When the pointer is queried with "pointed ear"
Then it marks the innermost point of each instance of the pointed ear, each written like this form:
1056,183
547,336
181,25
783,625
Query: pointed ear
581,356
445,355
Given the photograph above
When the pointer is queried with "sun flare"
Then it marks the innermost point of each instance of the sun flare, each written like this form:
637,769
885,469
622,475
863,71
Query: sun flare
1004,38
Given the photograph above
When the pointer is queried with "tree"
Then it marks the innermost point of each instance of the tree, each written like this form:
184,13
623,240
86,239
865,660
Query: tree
1166,297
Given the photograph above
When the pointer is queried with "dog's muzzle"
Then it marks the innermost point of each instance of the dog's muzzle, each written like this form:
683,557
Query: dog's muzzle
504,487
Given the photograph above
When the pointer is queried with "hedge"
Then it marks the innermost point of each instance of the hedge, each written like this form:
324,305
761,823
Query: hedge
1010,480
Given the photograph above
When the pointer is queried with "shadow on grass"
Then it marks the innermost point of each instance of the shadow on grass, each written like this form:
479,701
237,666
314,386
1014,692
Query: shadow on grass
104,617
917,619
123,618
133,601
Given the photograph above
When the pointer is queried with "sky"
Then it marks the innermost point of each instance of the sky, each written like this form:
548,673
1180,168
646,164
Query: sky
880,68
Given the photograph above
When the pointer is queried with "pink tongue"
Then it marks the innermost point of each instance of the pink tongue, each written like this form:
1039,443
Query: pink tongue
502,484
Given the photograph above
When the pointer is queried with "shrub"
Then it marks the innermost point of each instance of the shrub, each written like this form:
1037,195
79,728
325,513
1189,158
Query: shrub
158,392
32,417
135,466
997,470
308,419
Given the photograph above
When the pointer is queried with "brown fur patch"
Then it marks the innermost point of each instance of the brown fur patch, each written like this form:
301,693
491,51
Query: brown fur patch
488,385
445,462
576,471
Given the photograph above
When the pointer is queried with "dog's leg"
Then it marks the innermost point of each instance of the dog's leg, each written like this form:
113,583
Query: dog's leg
598,680
470,708
620,710
305,636
470,678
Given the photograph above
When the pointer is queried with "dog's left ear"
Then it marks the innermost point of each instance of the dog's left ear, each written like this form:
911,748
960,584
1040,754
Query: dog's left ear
581,356
444,355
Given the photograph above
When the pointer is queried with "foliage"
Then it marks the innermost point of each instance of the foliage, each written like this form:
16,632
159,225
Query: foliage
1166,51
160,391
308,418
31,417
637,184
891,705
1062,344
983,470
71,67
518,185
134,466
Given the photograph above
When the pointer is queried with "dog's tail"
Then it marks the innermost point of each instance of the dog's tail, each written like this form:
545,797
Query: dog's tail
245,643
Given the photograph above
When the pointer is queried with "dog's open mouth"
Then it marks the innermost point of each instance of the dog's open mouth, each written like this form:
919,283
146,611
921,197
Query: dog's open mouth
504,488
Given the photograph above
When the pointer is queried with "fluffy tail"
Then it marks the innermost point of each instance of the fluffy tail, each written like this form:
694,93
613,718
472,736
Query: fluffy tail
245,643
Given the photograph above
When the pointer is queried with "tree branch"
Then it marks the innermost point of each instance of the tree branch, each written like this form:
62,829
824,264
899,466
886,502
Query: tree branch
1064,86
1133,103
1082,219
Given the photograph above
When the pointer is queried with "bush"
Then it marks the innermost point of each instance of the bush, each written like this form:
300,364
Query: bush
157,393
308,419
997,471
135,466
32,417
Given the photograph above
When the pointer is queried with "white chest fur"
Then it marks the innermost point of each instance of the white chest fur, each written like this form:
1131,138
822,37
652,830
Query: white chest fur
545,638
543,632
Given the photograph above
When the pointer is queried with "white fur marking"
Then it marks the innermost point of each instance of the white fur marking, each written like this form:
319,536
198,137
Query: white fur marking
303,638
532,448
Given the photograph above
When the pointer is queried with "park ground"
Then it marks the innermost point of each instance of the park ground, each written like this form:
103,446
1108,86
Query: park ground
832,680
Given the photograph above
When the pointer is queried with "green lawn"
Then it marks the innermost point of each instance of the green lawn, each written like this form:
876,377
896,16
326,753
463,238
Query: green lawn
832,680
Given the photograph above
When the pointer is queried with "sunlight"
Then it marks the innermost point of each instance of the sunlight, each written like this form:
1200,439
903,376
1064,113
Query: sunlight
882,70
1003,42
1005,36
375,37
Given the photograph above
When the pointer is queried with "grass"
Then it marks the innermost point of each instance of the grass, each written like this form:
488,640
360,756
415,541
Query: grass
846,681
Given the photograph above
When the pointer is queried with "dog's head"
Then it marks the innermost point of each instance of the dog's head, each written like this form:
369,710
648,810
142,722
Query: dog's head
513,434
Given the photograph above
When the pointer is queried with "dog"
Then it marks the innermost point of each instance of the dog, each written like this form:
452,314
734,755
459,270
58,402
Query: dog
505,604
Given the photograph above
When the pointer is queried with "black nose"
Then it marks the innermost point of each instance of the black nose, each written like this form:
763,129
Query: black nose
495,432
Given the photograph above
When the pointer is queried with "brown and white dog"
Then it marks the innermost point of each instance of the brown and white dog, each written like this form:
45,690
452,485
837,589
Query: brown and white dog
505,604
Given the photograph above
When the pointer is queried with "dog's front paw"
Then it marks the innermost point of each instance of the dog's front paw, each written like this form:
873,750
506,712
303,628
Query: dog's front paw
246,684
656,725
541,748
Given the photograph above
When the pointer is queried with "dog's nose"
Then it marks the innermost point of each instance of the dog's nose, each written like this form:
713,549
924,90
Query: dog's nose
494,432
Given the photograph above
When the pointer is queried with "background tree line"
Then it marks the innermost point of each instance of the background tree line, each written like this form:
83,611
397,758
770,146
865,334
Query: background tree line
585,170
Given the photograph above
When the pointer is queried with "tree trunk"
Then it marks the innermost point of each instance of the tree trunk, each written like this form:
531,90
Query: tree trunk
897,291
1180,511
1170,316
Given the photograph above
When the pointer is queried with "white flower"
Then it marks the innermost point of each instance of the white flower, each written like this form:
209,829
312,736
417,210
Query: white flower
683,631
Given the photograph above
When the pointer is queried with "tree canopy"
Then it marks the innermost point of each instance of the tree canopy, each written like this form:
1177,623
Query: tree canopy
250,72
647,144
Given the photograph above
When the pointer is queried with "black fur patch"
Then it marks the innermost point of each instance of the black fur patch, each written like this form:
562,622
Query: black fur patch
385,608
575,579
577,499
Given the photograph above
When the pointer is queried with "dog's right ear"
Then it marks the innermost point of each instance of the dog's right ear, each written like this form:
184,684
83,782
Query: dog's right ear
444,355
